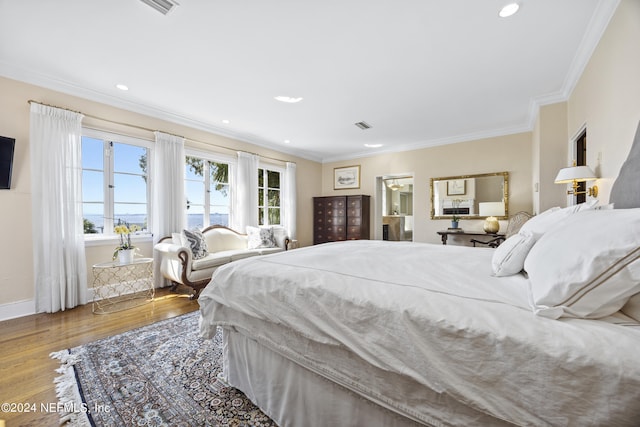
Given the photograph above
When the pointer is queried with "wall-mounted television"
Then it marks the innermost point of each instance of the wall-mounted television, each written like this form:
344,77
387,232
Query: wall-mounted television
7,145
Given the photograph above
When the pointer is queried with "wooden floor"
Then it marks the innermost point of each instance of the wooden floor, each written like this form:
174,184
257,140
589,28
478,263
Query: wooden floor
27,371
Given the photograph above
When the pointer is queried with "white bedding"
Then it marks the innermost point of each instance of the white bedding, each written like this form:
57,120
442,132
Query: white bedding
432,315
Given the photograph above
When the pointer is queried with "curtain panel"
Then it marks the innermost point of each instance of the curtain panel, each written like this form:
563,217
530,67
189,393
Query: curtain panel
289,200
167,195
245,194
55,138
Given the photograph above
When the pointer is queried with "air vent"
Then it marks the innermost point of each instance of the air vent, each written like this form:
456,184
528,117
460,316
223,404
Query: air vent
363,125
162,6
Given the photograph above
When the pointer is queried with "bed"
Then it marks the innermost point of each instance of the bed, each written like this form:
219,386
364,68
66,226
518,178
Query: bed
542,331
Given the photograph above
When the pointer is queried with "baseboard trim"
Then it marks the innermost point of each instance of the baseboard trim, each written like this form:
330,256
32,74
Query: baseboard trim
13,310
17,309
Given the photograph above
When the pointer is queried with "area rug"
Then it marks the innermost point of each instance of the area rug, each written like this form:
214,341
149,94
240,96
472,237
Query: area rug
162,374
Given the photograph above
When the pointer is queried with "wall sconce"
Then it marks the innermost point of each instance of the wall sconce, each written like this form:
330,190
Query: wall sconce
576,174
491,210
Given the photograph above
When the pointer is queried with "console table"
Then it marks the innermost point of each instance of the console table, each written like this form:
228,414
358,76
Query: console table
119,286
446,233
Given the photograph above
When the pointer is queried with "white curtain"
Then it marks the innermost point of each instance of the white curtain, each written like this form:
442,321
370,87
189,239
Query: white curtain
167,195
245,194
60,269
167,177
289,199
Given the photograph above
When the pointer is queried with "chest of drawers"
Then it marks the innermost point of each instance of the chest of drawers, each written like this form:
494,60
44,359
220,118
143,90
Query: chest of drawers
337,218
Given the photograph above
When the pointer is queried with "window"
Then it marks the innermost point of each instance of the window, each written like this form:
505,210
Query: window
269,196
114,182
207,198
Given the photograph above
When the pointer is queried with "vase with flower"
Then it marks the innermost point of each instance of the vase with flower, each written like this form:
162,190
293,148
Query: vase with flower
125,250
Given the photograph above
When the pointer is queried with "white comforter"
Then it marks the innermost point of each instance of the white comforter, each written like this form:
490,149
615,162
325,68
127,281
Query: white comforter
435,315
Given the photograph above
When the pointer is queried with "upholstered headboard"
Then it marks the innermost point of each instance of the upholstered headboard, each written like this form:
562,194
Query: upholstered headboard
625,192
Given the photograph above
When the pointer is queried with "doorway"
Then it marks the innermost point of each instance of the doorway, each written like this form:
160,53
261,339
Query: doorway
581,160
394,208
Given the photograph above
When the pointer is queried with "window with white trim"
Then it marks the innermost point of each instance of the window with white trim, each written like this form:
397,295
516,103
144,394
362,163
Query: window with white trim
269,200
207,191
114,182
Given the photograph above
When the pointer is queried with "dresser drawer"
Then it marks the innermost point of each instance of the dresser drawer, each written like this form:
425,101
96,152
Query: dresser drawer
355,221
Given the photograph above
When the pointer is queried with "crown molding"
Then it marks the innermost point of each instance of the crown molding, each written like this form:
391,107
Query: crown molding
28,76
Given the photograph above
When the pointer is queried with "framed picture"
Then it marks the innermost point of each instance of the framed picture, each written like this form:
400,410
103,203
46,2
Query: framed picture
346,177
456,187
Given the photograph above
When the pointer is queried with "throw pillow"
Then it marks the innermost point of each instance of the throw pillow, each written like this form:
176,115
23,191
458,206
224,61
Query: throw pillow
508,258
260,237
196,242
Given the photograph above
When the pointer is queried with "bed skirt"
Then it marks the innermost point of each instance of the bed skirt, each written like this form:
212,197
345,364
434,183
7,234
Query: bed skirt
293,395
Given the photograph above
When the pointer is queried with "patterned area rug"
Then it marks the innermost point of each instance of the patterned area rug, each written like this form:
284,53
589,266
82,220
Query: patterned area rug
163,374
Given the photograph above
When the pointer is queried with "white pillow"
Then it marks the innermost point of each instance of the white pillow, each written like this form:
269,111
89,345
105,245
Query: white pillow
260,237
604,207
591,204
540,223
508,258
632,307
588,267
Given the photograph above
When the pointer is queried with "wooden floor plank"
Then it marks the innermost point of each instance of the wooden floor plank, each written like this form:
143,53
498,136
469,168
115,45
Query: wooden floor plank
27,371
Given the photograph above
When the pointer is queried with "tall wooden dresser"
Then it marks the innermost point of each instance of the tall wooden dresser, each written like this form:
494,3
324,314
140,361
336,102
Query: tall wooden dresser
337,218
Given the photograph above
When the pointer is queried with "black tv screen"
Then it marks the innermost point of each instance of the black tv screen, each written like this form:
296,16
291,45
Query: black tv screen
7,146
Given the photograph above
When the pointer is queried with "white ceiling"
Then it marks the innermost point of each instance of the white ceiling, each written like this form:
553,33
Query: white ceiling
420,72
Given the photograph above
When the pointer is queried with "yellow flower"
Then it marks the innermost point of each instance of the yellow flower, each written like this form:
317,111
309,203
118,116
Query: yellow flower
121,229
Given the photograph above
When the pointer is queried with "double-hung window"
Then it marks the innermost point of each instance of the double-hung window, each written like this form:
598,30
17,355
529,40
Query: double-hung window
207,190
115,185
269,200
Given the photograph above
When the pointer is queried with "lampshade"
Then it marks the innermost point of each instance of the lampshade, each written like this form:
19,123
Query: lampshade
577,173
491,208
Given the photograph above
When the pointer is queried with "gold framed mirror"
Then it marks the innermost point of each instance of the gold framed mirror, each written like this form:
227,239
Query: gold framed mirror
470,196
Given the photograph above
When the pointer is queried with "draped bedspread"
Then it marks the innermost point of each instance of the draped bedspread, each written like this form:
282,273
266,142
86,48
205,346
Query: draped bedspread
381,317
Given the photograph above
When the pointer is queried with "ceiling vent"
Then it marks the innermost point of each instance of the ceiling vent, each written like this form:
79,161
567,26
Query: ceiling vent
162,6
363,125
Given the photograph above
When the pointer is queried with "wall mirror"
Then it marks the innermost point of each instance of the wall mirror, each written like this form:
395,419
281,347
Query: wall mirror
470,196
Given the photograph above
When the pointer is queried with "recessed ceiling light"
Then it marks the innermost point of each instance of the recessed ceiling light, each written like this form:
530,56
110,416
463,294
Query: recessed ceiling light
287,141
509,10
225,121
288,99
122,87
373,145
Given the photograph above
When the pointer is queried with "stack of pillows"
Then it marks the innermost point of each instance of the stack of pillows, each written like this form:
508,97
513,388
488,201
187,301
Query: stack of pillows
582,261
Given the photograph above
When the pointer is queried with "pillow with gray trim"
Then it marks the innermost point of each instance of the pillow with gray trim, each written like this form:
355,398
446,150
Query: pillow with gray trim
587,267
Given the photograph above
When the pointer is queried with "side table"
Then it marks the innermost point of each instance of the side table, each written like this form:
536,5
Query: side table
119,286
445,234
